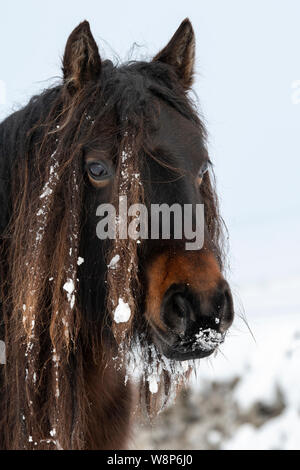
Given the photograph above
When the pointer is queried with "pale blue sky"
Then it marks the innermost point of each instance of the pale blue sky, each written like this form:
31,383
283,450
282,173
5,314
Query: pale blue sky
247,59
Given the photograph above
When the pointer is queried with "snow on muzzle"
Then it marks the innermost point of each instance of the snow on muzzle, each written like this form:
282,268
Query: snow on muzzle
189,305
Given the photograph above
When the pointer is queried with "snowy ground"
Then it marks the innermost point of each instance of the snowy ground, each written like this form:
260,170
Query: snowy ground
266,369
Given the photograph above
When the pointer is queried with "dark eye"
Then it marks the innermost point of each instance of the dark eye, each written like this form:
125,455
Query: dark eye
97,170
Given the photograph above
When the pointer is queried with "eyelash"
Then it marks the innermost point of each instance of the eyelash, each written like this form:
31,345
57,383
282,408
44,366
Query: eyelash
204,169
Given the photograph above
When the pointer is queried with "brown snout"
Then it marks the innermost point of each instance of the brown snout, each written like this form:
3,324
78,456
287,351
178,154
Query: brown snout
189,304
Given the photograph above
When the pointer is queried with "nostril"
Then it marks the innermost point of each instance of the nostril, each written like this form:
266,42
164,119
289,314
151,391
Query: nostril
185,312
182,306
177,312
228,312
179,306
224,306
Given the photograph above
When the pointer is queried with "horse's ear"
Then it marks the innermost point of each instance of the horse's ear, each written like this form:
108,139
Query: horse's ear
180,53
81,62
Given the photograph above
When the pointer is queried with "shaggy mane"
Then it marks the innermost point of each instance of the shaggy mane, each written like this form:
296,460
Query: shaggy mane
49,341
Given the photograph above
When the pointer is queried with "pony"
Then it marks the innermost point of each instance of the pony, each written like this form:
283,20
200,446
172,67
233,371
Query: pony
92,327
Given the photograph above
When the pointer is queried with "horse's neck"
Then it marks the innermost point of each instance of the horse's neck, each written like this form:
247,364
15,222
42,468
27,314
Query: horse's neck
110,405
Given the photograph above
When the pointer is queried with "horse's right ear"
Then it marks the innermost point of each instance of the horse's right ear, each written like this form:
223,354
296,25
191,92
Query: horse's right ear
180,53
81,62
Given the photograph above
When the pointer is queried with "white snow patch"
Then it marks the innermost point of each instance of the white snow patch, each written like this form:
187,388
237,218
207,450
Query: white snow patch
46,193
208,339
214,437
2,353
122,312
153,385
281,433
69,287
113,262
80,261
143,361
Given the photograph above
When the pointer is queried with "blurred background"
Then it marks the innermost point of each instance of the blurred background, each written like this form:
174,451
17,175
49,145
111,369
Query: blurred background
248,85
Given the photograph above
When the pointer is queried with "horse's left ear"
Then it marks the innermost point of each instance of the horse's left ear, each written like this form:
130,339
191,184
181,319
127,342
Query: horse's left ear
81,62
180,53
